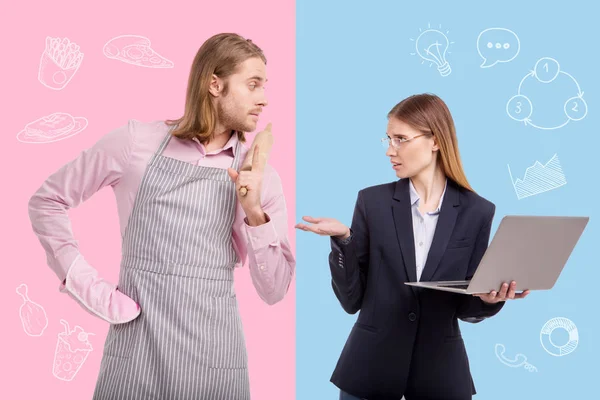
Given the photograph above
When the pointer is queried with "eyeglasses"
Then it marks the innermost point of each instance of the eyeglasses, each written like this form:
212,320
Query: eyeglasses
397,142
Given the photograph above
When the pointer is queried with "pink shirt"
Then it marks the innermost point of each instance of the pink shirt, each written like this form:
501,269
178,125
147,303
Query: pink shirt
119,159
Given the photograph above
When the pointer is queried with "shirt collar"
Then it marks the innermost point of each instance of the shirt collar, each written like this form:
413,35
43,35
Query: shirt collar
414,196
229,145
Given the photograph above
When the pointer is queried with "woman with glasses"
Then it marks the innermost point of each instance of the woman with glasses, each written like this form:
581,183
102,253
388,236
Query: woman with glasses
427,226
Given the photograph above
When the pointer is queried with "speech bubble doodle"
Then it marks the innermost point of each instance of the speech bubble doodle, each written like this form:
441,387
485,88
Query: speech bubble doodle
497,45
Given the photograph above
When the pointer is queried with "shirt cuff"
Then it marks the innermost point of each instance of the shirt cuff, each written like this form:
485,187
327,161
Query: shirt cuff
343,241
262,235
61,264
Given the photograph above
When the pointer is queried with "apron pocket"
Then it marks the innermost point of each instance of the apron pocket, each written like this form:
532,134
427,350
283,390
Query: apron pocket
122,338
226,342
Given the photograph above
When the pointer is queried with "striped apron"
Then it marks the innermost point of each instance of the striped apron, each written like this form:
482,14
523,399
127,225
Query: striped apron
178,265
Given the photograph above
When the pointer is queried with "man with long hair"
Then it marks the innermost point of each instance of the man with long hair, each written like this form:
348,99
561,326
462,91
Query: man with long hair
175,327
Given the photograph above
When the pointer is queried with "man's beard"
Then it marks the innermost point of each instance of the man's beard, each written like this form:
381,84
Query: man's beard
229,120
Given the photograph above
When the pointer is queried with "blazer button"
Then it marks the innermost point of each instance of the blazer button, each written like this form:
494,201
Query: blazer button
412,316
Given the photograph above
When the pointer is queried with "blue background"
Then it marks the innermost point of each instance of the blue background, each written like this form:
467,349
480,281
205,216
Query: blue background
353,65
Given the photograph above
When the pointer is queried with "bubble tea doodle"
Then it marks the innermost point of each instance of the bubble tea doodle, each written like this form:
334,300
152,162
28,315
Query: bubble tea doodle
72,349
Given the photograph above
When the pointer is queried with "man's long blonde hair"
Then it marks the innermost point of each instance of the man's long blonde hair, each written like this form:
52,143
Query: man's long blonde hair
219,55
429,114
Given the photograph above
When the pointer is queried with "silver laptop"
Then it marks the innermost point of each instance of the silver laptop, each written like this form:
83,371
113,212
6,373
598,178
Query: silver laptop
531,250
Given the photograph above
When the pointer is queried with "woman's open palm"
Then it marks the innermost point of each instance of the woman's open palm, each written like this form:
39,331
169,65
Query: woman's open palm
324,226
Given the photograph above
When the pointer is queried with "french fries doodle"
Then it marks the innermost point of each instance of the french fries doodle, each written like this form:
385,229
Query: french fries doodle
59,63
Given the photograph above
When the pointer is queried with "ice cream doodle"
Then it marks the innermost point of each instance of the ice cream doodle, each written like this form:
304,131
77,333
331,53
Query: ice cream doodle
72,349
60,61
33,316
136,50
52,128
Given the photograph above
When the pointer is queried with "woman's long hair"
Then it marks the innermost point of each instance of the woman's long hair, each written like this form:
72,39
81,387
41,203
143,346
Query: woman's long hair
429,114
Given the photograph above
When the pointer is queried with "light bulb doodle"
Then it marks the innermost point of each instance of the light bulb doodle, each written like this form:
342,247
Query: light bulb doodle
432,45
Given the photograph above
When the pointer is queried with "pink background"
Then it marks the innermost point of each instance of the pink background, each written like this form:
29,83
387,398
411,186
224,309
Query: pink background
108,93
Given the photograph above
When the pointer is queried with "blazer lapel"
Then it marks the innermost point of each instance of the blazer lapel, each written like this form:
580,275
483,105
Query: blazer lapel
443,231
404,229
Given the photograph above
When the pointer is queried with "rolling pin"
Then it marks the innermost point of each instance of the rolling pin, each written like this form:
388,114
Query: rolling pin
264,141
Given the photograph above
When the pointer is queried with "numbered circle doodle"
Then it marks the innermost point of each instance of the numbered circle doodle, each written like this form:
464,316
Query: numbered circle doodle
576,108
546,336
546,69
519,107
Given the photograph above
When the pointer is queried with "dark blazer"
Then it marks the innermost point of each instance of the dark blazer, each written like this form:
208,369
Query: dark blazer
407,339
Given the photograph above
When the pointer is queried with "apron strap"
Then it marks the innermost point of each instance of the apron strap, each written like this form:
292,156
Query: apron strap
163,144
236,154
